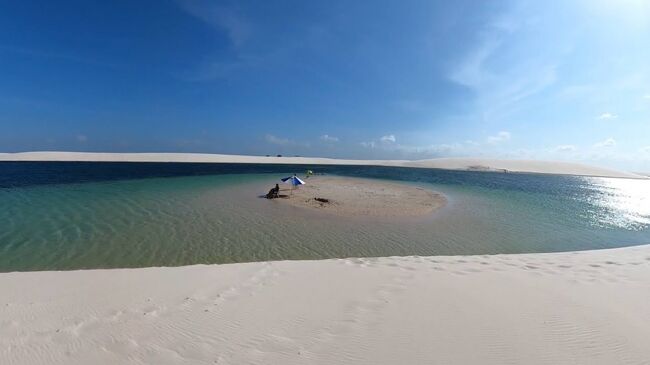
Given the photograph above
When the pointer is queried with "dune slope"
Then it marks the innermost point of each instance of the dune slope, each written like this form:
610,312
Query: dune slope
557,308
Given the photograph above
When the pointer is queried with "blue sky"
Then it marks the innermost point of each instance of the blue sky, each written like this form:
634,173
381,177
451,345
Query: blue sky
560,80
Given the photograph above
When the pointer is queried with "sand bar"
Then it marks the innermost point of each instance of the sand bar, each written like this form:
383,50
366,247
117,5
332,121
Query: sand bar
473,164
586,307
346,196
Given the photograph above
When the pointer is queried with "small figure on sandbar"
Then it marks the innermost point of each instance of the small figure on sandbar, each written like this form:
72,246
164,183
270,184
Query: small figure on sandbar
274,192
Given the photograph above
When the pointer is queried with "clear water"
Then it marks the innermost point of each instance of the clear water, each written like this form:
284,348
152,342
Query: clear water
101,215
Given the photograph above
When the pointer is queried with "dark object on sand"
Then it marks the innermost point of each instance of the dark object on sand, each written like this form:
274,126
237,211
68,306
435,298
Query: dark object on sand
274,192
322,200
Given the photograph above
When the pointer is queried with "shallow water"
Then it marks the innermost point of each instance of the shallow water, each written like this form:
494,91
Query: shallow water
99,215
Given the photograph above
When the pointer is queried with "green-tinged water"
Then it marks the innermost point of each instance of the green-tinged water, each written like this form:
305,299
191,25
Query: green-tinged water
162,221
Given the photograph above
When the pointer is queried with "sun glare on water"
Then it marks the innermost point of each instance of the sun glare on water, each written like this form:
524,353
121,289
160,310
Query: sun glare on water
622,203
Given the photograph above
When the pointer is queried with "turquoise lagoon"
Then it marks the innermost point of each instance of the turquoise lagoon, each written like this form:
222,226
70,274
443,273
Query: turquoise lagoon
59,216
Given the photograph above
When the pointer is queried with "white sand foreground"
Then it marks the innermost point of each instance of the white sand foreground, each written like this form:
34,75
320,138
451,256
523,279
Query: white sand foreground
350,197
477,164
559,308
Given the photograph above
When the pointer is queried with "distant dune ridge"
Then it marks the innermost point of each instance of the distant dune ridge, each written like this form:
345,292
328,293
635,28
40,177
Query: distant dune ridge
475,164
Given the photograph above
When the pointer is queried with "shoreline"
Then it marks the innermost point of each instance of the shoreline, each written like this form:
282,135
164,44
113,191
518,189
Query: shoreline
460,164
584,307
594,251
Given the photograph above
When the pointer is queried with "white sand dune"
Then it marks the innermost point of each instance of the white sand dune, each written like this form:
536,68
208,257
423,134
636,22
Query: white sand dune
559,308
533,166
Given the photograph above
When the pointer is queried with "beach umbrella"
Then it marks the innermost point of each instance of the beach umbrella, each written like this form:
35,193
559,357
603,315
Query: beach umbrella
293,180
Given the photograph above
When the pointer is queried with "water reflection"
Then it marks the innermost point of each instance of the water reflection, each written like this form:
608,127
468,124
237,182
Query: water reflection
622,203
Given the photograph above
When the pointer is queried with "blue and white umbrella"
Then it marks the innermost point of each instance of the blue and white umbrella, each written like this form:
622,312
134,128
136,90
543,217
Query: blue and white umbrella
293,180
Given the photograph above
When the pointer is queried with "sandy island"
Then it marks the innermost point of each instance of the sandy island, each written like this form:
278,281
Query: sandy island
347,196
559,308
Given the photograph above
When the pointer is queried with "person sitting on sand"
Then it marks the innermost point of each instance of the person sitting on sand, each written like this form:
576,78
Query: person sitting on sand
274,192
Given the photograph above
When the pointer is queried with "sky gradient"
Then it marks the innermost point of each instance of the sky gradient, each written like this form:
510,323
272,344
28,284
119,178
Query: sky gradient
555,80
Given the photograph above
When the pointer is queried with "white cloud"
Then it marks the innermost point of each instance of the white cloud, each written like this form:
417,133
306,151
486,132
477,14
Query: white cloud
609,142
328,138
607,116
82,138
502,136
388,139
646,96
370,144
565,148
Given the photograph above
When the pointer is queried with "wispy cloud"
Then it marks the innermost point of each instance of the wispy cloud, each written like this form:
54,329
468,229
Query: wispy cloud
565,148
500,137
253,42
499,90
235,27
328,138
226,19
646,96
82,138
472,72
609,142
607,116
